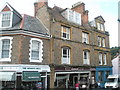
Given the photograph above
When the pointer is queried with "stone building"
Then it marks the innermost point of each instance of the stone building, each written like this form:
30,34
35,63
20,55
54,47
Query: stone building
79,48
56,48
24,50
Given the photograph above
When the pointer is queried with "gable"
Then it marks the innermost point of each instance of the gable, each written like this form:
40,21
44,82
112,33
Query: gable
6,8
100,18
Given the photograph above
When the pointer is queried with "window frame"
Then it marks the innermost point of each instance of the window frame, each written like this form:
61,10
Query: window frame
40,50
99,41
67,55
87,59
67,32
103,42
105,59
85,37
100,26
1,19
10,49
100,59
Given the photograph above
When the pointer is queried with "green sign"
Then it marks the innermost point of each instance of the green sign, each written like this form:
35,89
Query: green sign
31,76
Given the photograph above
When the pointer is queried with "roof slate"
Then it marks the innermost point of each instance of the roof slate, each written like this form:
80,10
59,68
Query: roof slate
28,23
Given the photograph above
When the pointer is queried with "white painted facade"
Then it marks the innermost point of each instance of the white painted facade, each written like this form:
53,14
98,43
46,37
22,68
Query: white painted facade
116,65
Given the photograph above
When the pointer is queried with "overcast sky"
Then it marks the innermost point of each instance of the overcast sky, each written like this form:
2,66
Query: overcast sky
108,9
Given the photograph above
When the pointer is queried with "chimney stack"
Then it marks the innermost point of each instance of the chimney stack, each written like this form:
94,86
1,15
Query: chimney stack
80,8
38,4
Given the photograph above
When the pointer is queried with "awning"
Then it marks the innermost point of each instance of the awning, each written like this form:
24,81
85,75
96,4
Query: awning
31,76
7,76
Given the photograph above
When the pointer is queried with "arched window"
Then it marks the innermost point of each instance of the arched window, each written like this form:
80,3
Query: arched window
65,55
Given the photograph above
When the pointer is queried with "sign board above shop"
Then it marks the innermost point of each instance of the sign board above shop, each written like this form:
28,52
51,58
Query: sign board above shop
31,76
22,67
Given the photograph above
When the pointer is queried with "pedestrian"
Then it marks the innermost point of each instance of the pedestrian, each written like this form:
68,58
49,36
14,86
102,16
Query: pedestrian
99,84
77,85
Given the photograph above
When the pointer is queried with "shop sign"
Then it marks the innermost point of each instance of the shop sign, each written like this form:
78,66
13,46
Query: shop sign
31,76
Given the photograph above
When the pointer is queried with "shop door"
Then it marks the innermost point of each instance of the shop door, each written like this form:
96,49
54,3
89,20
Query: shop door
75,80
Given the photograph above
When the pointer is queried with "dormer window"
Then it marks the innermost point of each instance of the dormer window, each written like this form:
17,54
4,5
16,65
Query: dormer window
6,18
100,26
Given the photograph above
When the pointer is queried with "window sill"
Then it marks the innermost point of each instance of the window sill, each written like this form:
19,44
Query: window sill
5,60
36,61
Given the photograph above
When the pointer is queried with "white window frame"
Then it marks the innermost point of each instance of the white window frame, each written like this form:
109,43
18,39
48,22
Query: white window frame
10,49
1,16
85,37
67,32
99,41
40,50
103,42
86,60
100,59
100,26
67,59
105,59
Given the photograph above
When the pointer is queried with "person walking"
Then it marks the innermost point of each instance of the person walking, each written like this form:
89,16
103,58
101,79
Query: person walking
77,85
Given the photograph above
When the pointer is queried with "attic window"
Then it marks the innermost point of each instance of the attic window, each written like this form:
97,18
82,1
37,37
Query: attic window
100,26
6,19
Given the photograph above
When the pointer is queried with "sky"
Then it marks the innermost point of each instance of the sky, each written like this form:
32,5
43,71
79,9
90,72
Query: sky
108,9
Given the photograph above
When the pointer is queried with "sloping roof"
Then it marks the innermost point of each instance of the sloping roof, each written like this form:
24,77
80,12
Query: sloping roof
56,13
28,23
12,9
33,24
100,18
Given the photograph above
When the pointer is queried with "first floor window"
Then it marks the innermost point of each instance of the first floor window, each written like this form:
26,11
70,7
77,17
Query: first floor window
65,55
86,59
5,48
104,59
36,50
100,58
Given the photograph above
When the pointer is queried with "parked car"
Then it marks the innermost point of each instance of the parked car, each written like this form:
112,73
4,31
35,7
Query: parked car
113,81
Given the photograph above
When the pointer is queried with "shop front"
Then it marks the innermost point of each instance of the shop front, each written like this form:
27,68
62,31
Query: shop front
102,72
67,77
24,76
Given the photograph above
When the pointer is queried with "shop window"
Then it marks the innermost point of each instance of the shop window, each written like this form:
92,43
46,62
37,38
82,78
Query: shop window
6,19
5,48
100,76
36,50
86,57
85,37
107,73
100,59
65,32
65,55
